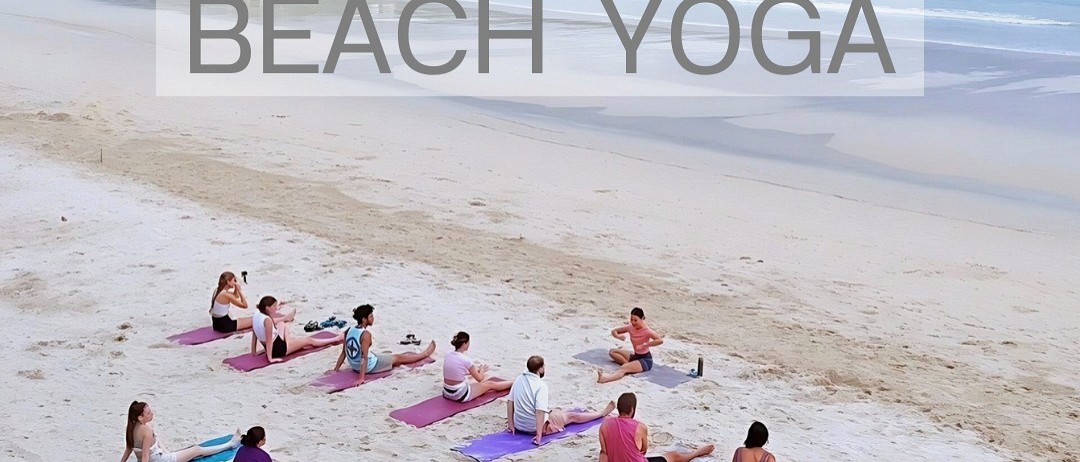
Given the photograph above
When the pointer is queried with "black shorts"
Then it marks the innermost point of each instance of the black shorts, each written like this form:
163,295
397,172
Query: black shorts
223,324
645,360
657,459
280,348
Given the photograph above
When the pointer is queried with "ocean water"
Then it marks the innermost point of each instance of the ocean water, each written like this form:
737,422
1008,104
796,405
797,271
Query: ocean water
1043,26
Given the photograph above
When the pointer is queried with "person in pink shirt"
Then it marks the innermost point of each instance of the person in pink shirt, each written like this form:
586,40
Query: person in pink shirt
623,439
637,360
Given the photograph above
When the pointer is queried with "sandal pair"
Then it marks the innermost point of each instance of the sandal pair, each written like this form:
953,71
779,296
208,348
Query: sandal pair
410,339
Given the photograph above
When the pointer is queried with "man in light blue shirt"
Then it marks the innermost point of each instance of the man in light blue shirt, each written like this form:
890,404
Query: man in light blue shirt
528,410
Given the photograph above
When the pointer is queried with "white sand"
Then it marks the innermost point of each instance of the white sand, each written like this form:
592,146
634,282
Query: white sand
893,323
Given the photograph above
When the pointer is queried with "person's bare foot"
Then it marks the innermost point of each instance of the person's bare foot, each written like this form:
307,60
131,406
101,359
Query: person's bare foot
430,350
607,409
704,450
235,441
599,376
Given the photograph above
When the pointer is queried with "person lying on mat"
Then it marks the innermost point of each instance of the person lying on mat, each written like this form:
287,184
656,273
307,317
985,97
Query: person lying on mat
227,295
640,358
362,359
528,410
753,450
457,368
623,439
142,441
274,334
251,447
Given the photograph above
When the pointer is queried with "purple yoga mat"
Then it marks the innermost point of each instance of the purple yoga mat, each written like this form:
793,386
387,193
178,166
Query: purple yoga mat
202,335
334,382
438,408
248,362
496,445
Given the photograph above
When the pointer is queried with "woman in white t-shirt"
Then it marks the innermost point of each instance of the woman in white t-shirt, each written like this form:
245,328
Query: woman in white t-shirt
457,368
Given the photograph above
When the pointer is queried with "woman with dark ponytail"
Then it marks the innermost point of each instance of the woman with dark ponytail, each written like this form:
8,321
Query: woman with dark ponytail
251,447
141,440
274,334
457,368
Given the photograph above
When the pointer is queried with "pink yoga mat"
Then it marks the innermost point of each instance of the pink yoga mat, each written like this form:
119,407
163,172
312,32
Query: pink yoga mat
202,335
248,362
345,379
438,408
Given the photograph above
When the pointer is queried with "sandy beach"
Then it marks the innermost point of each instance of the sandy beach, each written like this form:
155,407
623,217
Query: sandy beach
859,317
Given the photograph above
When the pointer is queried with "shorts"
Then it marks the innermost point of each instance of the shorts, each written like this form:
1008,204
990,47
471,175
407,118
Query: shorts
280,348
645,360
383,363
460,392
163,457
224,324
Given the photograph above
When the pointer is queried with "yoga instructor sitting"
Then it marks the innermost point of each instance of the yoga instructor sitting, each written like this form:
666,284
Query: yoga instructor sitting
357,348
640,358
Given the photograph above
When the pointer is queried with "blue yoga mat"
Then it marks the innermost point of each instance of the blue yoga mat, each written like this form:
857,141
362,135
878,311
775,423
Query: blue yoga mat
223,456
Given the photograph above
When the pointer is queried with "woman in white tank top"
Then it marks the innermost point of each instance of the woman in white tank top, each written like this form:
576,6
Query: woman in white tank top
142,441
271,329
228,294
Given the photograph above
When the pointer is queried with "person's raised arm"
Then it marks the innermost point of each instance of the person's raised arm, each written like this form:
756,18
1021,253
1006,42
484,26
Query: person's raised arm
603,445
656,340
365,345
478,373
236,298
619,331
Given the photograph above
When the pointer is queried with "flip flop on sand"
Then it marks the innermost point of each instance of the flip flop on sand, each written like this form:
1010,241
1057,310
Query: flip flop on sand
312,326
410,339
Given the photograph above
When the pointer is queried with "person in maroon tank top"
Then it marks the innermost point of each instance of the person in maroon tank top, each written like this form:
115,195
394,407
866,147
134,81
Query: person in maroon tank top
753,450
623,439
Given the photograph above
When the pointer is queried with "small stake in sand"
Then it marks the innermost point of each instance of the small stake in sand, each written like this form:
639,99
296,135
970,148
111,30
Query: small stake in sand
101,156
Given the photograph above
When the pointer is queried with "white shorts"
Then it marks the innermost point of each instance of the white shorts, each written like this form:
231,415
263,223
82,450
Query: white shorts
460,392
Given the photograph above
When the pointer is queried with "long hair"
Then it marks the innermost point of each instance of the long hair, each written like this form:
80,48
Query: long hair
222,281
134,411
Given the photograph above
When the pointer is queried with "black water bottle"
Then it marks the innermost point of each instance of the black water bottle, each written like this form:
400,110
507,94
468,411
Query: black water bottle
700,366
